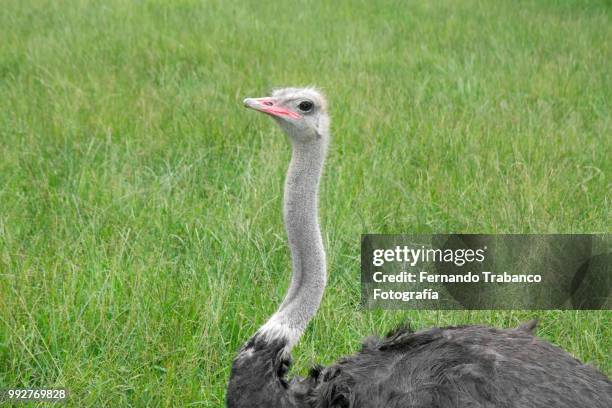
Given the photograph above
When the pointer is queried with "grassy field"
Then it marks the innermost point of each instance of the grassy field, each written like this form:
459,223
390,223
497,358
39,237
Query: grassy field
141,239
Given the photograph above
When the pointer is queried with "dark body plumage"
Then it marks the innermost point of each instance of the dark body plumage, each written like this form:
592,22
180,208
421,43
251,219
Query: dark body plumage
468,366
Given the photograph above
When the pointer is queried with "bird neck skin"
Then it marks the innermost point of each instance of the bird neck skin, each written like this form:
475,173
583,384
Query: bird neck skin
309,275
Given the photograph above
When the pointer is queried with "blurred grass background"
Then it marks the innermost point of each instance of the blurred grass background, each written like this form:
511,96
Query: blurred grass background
141,239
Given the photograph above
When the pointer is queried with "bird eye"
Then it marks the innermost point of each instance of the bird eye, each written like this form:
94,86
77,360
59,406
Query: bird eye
305,106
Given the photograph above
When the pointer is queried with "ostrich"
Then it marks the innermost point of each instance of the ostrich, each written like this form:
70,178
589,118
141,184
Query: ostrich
466,366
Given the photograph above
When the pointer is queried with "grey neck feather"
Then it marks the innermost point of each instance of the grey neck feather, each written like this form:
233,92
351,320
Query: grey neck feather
308,255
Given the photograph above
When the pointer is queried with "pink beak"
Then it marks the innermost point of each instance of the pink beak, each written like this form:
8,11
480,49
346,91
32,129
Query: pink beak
269,106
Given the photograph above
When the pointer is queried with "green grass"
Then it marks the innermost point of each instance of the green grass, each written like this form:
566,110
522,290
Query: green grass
141,240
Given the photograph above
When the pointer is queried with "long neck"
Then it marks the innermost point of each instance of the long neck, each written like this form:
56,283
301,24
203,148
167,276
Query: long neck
307,253
258,369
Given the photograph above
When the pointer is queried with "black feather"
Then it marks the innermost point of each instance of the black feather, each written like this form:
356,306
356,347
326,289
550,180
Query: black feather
466,366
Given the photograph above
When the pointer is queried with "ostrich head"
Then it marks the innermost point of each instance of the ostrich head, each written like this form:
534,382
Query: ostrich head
300,112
